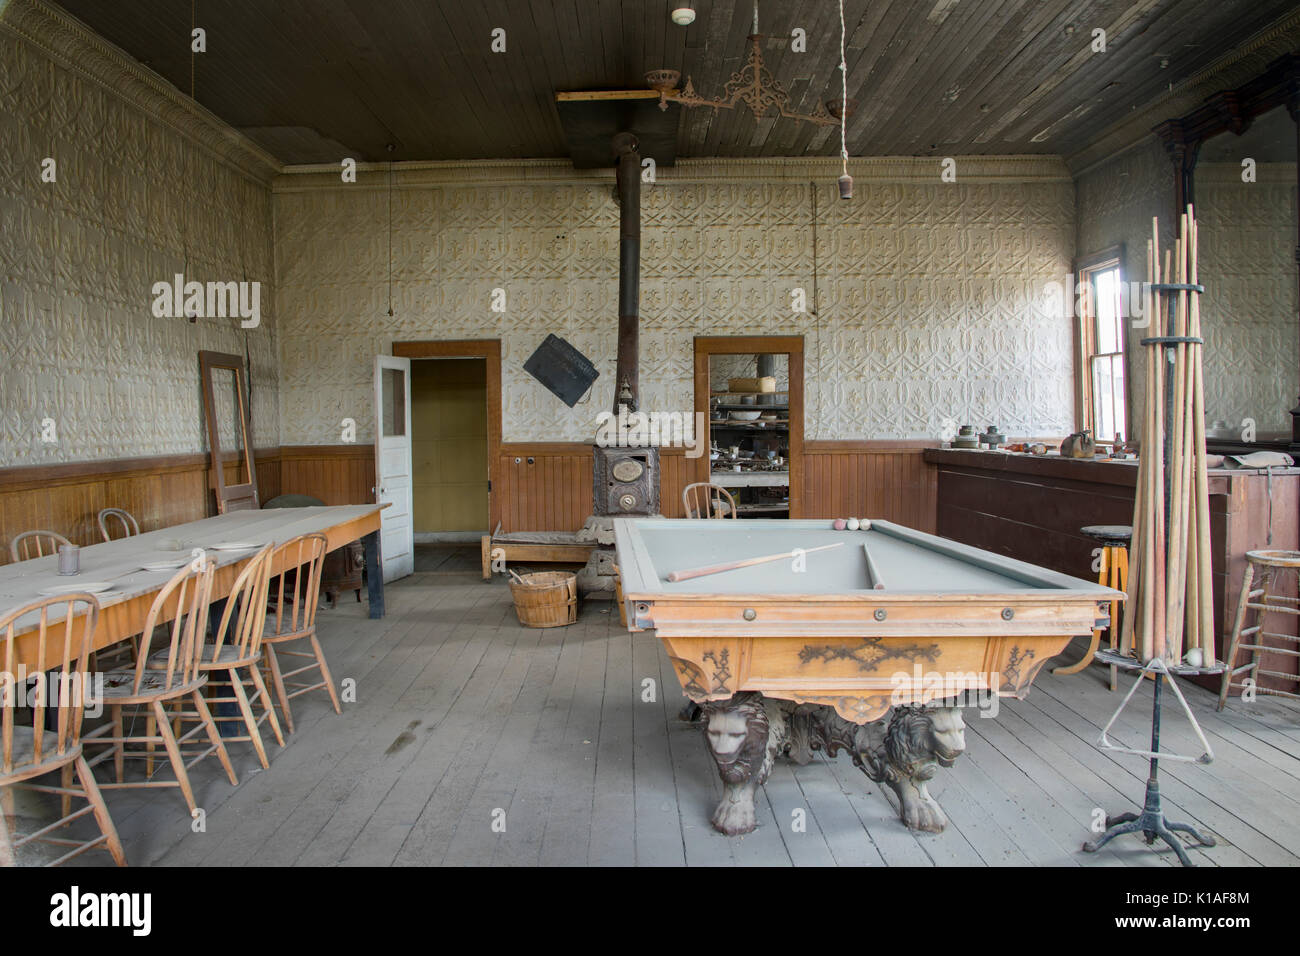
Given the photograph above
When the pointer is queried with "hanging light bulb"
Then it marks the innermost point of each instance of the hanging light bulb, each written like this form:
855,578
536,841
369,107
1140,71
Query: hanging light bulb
683,14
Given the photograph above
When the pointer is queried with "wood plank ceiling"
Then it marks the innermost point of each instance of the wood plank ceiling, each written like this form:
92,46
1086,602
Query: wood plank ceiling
315,80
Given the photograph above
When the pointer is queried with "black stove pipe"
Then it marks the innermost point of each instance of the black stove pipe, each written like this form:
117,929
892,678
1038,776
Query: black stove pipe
626,377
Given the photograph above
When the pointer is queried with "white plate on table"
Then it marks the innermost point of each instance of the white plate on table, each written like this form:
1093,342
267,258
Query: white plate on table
233,546
86,587
166,564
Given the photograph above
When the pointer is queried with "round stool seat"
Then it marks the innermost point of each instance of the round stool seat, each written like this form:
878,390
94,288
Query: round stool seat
1111,535
1275,559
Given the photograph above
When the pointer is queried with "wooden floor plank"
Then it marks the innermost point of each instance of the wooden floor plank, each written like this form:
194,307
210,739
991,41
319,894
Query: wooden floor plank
659,815
460,711
613,825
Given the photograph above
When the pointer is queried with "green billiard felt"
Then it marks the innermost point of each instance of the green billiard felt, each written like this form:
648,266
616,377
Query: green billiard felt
906,560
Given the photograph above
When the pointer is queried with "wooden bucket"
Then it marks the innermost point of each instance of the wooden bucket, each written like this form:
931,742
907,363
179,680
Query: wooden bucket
546,598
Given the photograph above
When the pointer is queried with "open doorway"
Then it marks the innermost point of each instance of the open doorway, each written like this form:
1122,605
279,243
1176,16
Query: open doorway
752,389
455,438
449,449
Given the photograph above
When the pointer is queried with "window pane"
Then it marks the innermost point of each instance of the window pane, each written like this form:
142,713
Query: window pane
1109,326
1108,397
1102,405
1121,396
394,402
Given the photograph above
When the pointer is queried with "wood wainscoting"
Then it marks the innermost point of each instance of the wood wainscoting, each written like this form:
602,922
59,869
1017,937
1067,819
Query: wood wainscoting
336,474
159,491
871,479
539,486
865,479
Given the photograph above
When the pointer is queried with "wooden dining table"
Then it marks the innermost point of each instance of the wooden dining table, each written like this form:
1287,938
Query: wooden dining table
124,606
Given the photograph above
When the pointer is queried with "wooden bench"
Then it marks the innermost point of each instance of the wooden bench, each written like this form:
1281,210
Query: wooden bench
535,547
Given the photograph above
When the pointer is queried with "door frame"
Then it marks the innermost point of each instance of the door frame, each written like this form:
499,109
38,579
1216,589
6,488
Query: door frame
792,345
490,351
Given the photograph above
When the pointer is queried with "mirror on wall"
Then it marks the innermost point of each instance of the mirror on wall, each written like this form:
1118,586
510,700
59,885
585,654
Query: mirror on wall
233,476
1245,201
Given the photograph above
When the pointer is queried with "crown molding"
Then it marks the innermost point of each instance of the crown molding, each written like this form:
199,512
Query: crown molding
1229,71
74,46
530,172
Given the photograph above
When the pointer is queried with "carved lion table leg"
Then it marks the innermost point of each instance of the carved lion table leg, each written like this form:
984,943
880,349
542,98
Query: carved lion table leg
917,742
744,734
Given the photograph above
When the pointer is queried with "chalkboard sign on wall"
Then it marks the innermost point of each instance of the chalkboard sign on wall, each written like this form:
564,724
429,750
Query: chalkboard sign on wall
565,371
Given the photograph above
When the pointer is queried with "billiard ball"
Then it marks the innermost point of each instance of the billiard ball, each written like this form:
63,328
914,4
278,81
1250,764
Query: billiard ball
853,524
839,524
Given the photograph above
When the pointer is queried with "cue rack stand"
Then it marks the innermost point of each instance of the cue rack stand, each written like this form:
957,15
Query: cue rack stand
1168,594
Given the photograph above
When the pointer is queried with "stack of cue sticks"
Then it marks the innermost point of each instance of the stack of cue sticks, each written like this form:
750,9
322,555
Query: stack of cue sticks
1170,604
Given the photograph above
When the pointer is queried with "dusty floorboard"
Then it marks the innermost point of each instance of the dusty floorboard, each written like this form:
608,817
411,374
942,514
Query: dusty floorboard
474,741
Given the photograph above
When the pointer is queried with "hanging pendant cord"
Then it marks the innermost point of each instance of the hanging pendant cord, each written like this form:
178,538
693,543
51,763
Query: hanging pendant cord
844,98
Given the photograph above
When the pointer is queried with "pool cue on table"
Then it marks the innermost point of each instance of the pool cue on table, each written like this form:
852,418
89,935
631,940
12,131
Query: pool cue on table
689,573
877,584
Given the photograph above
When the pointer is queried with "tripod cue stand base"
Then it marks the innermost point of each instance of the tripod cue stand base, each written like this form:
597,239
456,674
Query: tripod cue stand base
1151,822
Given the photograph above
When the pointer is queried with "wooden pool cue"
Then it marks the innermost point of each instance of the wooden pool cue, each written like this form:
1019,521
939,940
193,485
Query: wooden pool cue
1133,603
1179,442
689,573
876,582
1205,601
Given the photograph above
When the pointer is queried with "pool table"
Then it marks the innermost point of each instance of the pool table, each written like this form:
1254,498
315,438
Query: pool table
814,650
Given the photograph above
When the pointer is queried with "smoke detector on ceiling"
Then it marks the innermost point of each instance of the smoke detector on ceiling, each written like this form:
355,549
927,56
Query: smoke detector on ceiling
683,14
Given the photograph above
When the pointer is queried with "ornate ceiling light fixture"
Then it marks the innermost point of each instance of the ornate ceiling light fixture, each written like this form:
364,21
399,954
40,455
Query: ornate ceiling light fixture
754,85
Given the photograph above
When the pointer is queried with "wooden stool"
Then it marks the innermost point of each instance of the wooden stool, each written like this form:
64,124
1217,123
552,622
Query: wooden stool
1261,565
1114,540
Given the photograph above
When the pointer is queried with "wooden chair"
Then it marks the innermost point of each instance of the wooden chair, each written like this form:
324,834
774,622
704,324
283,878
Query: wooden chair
35,544
130,527
295,594
238,648
30,752
712,502
149,690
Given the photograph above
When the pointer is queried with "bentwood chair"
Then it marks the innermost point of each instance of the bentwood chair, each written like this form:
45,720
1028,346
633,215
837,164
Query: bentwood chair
29,752
238,648
295,593
129,526
704,500
156,682
35,544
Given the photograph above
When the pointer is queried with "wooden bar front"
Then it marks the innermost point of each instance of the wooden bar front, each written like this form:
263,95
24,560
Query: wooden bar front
1032,508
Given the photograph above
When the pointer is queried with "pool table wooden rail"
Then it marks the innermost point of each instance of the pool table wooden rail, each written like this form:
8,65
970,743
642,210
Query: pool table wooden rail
903,614
862,652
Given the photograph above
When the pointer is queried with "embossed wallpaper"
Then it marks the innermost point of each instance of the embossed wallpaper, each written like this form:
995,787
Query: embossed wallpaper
927,292
1246,241
1116,201
1249,310
145,186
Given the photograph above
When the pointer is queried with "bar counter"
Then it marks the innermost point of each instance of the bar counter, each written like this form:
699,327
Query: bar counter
1031,507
